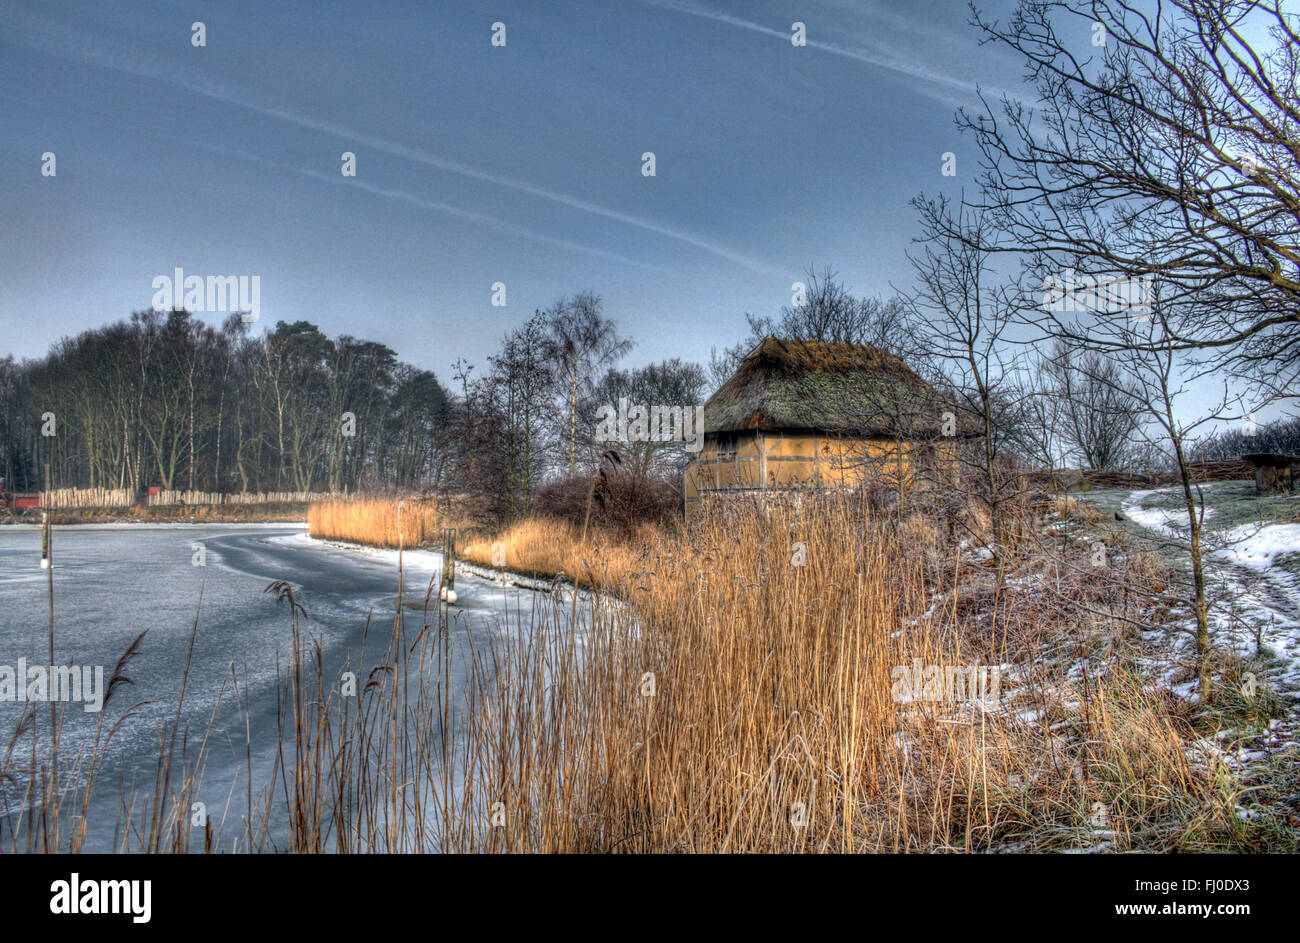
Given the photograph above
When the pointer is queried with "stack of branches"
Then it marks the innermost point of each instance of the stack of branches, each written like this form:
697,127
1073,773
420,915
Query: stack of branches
1233,469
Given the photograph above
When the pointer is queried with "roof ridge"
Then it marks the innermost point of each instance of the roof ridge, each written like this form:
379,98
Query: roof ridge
805,353
835,386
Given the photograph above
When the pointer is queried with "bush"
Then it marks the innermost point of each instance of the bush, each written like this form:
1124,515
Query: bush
619,500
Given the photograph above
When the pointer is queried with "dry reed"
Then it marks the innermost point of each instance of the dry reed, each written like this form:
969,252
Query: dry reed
377,522
741,695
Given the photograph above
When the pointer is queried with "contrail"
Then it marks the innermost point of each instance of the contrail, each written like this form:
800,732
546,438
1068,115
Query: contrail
482,219
857,53
53,39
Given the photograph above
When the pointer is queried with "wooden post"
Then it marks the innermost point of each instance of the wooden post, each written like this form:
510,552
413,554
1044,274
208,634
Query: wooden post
449,557
47,562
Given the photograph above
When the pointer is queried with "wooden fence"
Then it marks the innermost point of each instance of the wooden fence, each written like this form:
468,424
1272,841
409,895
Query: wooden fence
122,498
86,498
1067,479
249,497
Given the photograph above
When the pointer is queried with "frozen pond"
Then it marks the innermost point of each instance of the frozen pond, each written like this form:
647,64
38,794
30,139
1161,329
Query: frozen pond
113,581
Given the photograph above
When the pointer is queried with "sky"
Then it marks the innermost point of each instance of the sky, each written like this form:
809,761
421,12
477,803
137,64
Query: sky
475,164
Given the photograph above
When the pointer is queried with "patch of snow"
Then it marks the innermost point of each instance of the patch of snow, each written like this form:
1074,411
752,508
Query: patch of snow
1169,522
1255,547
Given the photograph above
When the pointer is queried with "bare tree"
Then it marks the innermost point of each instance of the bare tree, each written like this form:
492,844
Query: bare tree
581,343
1039,432
526,386
1159,375
1099,407
968,314
1282,435
1170,153
824,310
668,385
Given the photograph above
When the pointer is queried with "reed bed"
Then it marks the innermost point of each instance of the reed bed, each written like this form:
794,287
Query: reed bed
376,522
740,695
774,723
554,548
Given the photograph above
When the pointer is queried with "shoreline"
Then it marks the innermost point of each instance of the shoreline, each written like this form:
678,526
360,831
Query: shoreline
489,574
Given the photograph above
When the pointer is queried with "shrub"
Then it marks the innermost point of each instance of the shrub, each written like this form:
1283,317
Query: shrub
619,500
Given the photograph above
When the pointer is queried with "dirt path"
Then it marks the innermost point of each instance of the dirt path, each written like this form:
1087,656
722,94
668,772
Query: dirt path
1248,605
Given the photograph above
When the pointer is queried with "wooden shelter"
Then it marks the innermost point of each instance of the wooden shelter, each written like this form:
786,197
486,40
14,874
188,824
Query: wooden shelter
1275,473
815,414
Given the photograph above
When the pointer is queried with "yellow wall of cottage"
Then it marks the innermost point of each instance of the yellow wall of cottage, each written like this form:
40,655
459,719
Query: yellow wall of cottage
760,461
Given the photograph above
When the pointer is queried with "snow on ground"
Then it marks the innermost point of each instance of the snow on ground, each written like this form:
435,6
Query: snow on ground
423,561
1168,522
1253,590
1257,548
1253,599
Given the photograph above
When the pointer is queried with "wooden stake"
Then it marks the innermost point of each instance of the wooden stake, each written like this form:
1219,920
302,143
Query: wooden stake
47,563
449,556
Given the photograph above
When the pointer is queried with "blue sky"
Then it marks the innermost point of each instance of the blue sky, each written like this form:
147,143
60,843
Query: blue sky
475,164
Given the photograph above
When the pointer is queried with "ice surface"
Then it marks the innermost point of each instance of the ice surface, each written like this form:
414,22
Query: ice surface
113,581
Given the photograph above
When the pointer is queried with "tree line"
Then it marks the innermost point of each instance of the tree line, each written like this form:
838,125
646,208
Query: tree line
163,399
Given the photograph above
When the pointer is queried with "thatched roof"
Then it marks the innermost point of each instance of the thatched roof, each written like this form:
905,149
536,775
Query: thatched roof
843,389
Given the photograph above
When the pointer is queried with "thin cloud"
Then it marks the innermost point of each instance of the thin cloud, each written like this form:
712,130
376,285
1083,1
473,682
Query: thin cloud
60,41
893,63
481,219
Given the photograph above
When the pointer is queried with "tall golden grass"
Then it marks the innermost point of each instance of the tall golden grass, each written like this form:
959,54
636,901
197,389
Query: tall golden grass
772,724
729,690
551,548
376,522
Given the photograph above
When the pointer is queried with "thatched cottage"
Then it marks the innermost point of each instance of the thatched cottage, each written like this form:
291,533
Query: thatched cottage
799,414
